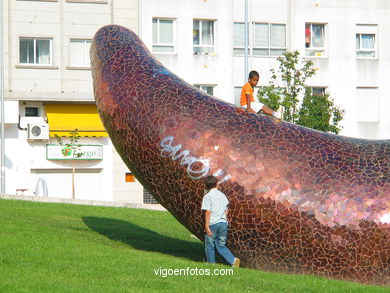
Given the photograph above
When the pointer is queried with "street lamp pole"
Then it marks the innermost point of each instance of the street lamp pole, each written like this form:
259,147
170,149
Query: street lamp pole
246,41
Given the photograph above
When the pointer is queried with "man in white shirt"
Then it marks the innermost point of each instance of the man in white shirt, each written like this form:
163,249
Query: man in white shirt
216,204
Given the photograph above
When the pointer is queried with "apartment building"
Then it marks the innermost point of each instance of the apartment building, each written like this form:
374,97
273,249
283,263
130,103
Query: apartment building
48,87
48,91
203,42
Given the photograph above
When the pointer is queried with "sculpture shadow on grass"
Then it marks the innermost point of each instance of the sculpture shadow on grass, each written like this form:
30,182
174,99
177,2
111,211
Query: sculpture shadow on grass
144,239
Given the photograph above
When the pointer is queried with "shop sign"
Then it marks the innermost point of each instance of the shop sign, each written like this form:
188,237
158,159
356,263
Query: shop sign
63,152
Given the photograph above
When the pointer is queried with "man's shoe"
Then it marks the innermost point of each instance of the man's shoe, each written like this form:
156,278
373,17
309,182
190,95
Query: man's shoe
236,263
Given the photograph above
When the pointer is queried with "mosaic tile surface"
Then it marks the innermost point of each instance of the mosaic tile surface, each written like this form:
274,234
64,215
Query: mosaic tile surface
302,201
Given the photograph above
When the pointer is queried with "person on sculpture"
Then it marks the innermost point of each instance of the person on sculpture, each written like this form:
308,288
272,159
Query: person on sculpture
247,98
216,205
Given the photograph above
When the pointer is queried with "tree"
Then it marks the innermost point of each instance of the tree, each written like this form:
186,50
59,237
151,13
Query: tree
318,112
71,149
315,111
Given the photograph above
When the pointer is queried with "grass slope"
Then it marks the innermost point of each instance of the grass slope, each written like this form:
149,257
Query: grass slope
70,248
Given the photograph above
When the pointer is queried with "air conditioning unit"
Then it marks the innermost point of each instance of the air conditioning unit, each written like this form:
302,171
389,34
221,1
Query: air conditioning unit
38,131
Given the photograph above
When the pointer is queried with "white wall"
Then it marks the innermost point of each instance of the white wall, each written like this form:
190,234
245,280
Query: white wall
60,20
131,192
200,69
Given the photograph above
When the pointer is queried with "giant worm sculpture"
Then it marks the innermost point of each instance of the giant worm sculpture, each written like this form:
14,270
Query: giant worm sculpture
301,201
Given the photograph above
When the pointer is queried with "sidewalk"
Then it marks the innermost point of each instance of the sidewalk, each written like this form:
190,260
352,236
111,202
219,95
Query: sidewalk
83,202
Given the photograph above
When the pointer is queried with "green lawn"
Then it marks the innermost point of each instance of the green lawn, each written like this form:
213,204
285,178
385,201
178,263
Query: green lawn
71,248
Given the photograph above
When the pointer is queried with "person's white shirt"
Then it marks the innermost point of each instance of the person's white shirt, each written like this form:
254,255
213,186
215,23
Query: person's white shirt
216,202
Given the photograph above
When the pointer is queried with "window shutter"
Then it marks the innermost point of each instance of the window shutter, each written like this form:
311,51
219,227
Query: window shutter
207,33
278,35
239,34
166,31
26,47
77,52
318,35
43,51
261,35
155,32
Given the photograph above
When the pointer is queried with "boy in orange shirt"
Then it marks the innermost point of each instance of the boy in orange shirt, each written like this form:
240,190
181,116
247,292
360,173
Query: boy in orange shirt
248,99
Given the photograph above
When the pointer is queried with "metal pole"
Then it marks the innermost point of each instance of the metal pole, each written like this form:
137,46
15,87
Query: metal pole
2,155
289,24
246,38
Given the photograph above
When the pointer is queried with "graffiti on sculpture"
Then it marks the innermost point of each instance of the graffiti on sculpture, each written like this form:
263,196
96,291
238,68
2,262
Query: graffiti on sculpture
174,153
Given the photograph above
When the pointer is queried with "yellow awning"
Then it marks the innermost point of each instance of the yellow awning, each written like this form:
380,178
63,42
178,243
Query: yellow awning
64,118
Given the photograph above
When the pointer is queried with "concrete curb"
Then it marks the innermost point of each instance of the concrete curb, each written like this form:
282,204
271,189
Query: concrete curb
83,202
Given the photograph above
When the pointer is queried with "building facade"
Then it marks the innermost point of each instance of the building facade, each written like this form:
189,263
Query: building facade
48,91
47,78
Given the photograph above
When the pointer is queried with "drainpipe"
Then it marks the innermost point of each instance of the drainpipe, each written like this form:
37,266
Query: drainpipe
246,32
2,155
139,21
289,24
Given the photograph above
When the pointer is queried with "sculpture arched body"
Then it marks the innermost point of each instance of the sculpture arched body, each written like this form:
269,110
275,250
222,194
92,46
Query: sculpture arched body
302,201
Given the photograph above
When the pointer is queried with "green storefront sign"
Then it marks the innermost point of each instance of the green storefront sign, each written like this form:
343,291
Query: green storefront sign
63,152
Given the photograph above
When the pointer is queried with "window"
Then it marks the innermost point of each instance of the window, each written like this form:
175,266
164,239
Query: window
366,41
129,177
237,95
367,104
79,53
269,39
239,38
34,51
203,36
315,39
163,36
31,112
317,91
148,198
209,89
